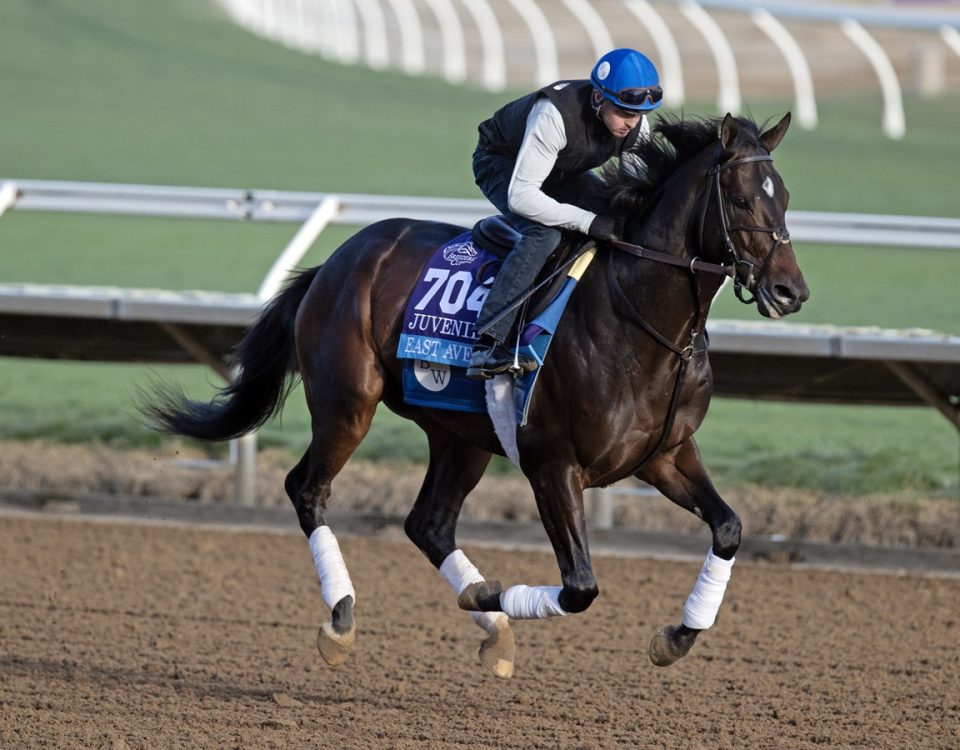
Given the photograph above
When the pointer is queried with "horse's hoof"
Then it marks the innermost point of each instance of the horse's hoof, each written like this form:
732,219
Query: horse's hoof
498,652
482,596
334,647
664,648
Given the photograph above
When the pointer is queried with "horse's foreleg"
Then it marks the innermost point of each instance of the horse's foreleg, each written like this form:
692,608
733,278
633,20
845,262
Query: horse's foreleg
681,477
455,468
559,495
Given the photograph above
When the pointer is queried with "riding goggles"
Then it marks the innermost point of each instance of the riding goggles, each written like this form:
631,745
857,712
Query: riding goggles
636,97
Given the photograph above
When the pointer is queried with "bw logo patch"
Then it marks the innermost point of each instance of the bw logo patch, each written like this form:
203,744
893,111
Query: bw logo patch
431,375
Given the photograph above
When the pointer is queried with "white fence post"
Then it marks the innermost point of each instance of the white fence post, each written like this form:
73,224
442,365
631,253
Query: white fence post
601,507
728,97
8,195
894,124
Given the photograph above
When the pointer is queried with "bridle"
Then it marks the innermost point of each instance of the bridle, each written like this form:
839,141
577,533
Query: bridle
732,260
780,236
698,342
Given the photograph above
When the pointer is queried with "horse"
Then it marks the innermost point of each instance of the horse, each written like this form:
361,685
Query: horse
625,387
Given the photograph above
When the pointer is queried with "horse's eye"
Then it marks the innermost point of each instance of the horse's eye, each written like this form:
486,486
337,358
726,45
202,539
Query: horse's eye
740,202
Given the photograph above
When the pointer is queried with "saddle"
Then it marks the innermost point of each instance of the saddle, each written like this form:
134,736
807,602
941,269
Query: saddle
495,235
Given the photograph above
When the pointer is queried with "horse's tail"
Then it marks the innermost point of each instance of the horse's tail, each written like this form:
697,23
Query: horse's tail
266,361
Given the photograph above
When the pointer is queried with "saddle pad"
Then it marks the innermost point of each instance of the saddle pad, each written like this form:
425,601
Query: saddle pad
439,327
438,331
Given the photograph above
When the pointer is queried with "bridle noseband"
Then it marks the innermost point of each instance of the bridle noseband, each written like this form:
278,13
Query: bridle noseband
780,235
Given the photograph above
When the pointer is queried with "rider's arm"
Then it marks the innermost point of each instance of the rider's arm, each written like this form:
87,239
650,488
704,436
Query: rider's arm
542,141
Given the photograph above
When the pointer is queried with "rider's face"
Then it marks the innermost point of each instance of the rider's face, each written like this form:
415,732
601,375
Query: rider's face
618,121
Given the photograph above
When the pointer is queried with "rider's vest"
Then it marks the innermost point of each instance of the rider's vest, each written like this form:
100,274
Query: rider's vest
589,142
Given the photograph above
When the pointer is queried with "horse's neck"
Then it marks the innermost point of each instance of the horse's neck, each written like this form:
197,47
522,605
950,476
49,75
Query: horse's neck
665,295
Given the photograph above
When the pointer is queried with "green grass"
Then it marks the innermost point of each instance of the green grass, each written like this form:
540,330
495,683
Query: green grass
169,92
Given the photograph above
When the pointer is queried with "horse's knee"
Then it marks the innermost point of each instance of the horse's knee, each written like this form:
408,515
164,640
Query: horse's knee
575,599
726,537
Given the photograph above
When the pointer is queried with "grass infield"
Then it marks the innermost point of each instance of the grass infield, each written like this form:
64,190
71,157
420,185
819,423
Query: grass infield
170,92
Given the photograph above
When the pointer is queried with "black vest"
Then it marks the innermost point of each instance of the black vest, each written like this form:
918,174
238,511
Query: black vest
589,142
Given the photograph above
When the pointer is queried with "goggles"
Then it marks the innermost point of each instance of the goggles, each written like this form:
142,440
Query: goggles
635,97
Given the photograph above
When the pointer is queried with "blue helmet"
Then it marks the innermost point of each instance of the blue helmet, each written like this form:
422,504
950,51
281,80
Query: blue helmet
628,79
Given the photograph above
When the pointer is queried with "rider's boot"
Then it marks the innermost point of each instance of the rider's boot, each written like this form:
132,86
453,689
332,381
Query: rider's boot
491,357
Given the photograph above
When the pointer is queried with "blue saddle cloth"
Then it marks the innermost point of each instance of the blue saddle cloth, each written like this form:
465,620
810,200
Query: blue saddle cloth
439,331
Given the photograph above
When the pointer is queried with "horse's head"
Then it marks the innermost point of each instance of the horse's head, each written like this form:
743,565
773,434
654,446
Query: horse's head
746,202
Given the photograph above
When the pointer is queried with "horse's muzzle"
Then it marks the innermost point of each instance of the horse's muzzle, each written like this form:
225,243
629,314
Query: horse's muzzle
776,299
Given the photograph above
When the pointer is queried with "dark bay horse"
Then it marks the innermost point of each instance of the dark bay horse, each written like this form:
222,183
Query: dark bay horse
625,387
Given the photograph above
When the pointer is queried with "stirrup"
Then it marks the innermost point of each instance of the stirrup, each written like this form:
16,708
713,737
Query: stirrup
500,362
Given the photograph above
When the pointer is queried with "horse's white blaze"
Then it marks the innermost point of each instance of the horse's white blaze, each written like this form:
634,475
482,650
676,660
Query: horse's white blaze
768,187
532,602
700,610
334,578
459,572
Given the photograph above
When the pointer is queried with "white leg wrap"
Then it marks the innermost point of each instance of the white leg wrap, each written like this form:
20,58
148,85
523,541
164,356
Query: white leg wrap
459,572
532,602
334,578
704,601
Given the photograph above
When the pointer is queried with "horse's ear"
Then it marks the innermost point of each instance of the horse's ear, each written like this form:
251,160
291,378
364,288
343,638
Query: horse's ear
771,139
729,129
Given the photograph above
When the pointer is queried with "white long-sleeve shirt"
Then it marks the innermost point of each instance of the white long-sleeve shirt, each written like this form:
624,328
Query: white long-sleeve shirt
543,140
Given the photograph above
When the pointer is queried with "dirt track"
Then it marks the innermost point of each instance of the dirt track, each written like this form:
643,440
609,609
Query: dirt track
137,636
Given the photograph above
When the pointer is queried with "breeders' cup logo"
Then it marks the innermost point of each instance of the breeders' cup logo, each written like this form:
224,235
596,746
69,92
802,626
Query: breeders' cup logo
460,253
603,70
431,375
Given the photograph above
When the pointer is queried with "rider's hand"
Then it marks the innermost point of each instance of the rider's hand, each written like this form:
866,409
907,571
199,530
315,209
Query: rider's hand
604,228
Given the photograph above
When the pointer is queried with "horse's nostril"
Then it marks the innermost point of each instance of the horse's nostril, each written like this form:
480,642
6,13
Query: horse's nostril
784,294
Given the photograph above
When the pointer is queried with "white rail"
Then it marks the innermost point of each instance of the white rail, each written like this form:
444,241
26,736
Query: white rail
870,230
806,102
728,96
894,120
332,28
671,66
548,64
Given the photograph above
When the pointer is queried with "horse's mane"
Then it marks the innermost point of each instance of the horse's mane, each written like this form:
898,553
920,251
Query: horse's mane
672,142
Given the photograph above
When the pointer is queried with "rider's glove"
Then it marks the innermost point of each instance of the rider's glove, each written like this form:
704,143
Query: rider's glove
604,228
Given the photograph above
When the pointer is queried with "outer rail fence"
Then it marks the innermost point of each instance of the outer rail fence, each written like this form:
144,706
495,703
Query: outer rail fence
563,39
762,360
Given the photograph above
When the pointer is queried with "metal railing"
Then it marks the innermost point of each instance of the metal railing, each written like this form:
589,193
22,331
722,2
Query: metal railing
873,230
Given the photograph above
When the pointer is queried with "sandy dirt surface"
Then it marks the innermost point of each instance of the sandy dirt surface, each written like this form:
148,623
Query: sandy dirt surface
126,636
59,470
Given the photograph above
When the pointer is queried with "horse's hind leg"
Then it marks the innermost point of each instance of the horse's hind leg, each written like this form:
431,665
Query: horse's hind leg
342,404
455,468
681,477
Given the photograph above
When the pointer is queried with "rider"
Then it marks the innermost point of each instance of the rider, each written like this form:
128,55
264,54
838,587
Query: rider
534,163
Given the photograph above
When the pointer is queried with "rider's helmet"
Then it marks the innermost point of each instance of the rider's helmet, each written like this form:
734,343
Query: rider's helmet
628,79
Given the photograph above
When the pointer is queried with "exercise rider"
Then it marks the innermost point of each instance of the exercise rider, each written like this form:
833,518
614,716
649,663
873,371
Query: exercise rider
534,161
